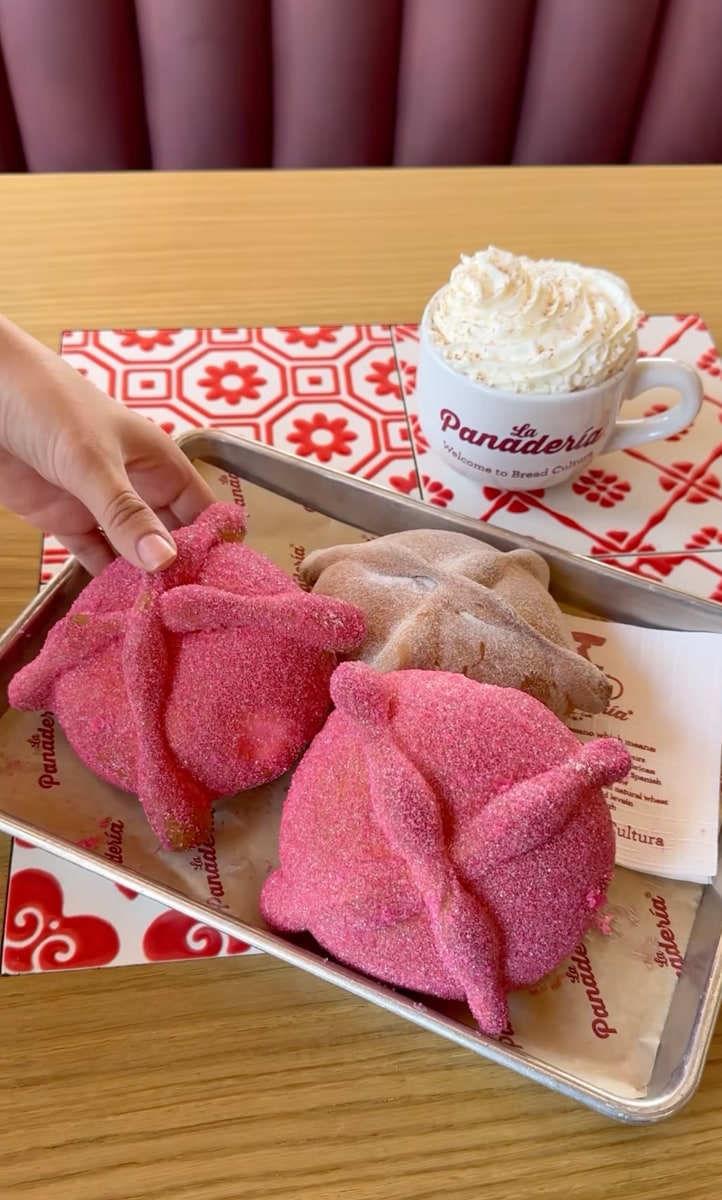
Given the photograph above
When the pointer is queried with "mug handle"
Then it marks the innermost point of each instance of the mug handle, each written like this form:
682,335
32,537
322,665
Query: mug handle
658,372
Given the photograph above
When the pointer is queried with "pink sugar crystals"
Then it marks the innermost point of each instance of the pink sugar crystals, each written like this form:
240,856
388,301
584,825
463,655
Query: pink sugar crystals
195,683
445,836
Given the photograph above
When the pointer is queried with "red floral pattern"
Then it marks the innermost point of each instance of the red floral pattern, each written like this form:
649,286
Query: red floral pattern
661,564
601,487
404,483
232,382
408,376
147,339
704,488
704,538
436,492
622,542
311,336
615,536
709,361
384,378
513,502
322,437
406,333
417,435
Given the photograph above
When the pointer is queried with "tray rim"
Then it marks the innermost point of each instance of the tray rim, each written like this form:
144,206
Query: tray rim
706,614
642,1110
198,444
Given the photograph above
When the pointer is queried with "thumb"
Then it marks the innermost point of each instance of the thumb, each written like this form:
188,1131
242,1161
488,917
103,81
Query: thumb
129,524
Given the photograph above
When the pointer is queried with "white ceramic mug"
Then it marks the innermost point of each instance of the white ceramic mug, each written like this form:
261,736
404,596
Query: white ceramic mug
540,439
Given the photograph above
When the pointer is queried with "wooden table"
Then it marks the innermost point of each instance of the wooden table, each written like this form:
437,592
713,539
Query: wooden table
244,1078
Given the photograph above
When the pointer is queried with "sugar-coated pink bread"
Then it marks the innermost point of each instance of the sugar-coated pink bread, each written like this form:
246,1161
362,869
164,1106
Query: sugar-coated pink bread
445,836
198,682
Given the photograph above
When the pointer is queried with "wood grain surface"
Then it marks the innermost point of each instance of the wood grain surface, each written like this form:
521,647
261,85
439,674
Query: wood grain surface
245,1078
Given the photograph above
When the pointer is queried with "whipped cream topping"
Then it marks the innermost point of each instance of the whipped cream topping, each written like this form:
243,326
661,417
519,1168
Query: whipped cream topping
533,325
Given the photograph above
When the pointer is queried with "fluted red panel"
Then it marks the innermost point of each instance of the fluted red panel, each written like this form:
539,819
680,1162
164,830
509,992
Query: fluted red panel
334,67
75,79
586,68
207,75
333,83
462,64
681,117
11,151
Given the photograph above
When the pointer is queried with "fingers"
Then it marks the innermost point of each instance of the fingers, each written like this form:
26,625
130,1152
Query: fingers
160,471
136,533
80,460
76,460
138,506
90,549
195,494
93,549
169,519
130,525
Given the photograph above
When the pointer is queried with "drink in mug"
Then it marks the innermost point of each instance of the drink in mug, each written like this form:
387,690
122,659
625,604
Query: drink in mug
524,365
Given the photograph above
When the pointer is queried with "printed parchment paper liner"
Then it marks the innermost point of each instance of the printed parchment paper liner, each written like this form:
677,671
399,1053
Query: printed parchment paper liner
592,1029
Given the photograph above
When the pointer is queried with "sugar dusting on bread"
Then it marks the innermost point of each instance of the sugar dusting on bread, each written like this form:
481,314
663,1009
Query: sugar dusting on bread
436,600
445,836
194,683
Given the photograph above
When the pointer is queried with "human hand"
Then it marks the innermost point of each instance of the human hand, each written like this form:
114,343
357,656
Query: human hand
77,464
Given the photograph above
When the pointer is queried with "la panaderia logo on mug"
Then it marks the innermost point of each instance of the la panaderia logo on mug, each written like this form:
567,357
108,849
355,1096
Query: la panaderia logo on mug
521,439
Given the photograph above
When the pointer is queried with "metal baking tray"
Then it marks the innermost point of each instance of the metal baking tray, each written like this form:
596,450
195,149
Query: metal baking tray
577,583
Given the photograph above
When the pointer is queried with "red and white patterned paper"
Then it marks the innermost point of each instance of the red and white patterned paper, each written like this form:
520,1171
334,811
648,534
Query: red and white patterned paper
59,916
343,396
654,510
327,393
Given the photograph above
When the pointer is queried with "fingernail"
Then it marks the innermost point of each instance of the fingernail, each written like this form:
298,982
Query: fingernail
155,552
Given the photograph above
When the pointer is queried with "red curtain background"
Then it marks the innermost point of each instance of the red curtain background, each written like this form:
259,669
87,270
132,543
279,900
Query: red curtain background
182,84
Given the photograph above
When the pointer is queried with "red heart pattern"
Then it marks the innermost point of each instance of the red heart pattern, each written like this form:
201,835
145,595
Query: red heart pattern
172,935
39,935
